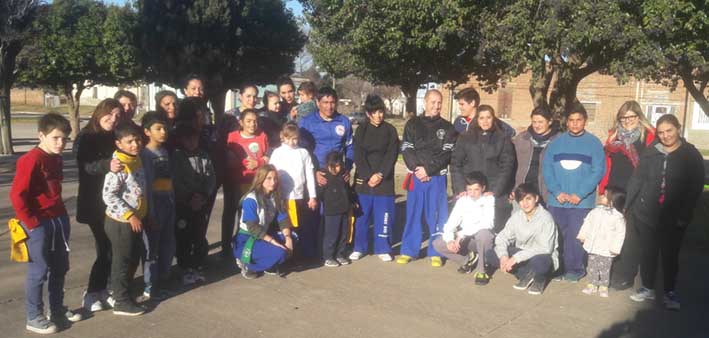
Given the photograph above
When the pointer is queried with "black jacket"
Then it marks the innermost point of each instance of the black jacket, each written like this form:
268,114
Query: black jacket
684,182
428,142
490,153
271,123
336,196
93,153
375,151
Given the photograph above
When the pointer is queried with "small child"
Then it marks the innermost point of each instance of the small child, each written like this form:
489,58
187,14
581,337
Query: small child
602,235
36,196
126,211
159,240
297,180
306,93
270,119
338,200
469,229
195,181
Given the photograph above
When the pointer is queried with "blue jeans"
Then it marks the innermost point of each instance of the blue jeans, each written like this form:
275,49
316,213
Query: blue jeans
569,221
540,265
159,244
48,247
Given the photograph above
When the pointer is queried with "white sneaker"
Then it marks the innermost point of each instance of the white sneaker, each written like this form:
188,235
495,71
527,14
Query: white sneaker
642,294
110,301
91,301
106,299
356,255
385,257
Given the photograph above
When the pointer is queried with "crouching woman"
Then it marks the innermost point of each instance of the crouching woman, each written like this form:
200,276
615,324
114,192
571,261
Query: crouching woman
259,246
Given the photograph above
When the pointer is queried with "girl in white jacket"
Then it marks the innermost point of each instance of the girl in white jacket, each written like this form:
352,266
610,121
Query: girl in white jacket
602,235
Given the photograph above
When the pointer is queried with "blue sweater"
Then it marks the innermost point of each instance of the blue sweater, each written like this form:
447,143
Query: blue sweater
321,137
574,165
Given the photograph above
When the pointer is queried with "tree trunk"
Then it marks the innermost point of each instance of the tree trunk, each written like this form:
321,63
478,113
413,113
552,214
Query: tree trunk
563,93
74,104
5,122
697,93
410,93
539,86
8,54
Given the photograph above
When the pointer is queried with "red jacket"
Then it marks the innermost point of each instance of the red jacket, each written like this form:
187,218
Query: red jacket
649,137
241,148
36,192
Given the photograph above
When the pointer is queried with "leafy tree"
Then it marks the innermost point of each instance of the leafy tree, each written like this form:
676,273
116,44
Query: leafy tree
395,42
79,44
16,17
228,42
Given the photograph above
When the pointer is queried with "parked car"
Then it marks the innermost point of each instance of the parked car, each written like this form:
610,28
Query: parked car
357,117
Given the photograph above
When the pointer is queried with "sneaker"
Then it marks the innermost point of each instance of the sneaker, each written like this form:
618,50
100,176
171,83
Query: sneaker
65,315
128,309
481,278
536,288
331,263
525,282
110,301
468,266
275,271
248,274
403,259
106,299
436,262
356,255
671,301
199,277
572,277
603,291
156,295
41,325
91,301
188,278
590,289
384,257
239,263
343,261
642,294
620,286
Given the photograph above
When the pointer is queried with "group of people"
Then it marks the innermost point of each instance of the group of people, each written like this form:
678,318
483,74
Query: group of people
524,203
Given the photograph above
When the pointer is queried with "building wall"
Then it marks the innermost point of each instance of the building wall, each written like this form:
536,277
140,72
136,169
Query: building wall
27,96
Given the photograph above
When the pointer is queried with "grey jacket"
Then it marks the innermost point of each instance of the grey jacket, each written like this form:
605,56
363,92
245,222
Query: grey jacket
524,150
537,236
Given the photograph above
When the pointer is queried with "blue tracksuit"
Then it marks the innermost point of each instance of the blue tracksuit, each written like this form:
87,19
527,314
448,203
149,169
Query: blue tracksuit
256,221
431,200
382,209
321,137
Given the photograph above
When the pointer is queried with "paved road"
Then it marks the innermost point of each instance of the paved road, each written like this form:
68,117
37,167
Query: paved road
367,299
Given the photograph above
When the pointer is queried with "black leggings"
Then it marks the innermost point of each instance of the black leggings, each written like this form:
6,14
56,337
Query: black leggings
666,242
101,270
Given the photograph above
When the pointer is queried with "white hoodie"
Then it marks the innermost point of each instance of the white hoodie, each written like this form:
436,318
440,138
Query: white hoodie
295,171
603,231
470,216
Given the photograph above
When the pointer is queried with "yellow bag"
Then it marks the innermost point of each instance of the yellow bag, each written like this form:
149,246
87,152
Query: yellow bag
18,239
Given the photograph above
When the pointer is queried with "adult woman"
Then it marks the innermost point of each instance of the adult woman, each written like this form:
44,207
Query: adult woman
166,103
487,149
662,195
529,148
93,149
258,246
376,146
631,134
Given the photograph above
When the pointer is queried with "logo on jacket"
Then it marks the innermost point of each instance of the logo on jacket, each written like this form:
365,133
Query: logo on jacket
340,130
254,147
440,133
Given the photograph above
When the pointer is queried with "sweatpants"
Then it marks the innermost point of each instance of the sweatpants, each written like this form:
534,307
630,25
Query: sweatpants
307,228
191,237
427,200
48,248
626,265
480,243
264,256
665,242
159,243
380,210
539,265
599,269
569,221
335,234
101,269
126,247
231,205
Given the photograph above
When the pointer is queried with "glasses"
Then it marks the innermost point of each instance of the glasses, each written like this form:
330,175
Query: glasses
628,118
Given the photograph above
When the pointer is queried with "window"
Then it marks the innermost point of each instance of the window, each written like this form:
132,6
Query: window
700,120
504,103
655,111
591,108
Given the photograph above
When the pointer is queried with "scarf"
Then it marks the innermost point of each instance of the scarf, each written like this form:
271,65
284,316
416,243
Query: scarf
623,143
539,140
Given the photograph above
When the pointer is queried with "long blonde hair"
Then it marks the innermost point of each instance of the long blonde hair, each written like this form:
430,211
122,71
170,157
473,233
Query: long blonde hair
633,106
257,187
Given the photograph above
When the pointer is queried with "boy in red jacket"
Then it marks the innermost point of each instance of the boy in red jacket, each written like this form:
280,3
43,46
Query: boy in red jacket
36,196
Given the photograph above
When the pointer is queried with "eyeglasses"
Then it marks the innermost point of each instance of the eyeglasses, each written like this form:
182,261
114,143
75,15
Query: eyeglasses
628,118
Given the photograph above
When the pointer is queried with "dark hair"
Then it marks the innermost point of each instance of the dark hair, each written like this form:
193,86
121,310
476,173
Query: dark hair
185,130
668,118
282,81
246,86
525,189
290,129
543,111
125,129
334,158
577,108
50,121
616,198
161,95
124,93
267,95
308,87
468,95
189,107
189,78
373,103
243,114
476,177
102,109
152,117
326,91
496,124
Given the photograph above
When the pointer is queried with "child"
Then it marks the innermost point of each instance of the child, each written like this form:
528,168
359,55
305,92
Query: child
246,152
337,199
270,119
306,93
297,180
602,235
160,239
469,229
194,181
126,211
36,196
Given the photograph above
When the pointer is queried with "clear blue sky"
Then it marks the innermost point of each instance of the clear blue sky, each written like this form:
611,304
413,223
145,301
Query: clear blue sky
294,5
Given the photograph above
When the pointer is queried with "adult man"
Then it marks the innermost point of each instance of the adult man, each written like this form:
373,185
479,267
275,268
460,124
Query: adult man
426,148
574,163
323,132
468,102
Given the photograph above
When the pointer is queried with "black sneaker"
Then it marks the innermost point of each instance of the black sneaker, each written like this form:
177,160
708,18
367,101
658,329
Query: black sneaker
525,281
469,266
536,288
331,263
274,271
128,309
343,261
482,278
